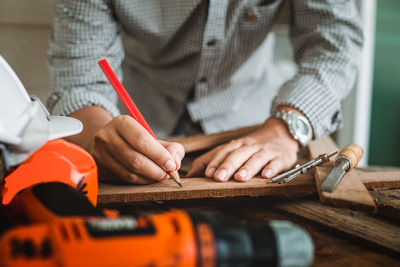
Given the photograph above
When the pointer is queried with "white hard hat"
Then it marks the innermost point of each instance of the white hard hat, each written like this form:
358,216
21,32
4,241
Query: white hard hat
25,124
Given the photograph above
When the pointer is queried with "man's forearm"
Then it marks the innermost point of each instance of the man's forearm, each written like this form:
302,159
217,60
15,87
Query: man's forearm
93,119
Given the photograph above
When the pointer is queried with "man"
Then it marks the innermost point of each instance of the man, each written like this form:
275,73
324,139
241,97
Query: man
201,65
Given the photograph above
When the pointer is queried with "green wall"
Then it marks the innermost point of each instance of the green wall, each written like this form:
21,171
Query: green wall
385,119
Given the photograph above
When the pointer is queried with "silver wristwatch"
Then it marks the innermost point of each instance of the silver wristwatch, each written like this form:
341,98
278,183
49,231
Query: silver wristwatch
298,125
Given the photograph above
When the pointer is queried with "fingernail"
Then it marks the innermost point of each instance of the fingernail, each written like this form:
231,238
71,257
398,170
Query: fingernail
221,174
268,173
170,166
210,172
242,174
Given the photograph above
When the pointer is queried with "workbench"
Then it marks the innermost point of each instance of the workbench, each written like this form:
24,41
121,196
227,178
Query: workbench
344,232
333,247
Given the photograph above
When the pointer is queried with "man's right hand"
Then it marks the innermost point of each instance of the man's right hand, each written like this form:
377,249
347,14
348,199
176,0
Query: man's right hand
123,149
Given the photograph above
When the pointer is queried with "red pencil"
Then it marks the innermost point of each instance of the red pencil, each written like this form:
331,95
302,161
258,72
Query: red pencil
130,105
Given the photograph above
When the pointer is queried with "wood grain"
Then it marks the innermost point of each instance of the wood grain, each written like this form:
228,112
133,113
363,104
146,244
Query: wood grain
350,192
353,223
202,188
380,180
388,203
207,188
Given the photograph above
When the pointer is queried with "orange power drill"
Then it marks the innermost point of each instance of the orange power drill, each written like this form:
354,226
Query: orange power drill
67,230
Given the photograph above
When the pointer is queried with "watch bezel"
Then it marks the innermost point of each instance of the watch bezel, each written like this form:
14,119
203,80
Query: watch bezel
289,117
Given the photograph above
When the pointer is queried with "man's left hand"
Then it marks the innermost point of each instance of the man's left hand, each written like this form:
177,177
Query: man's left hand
271,150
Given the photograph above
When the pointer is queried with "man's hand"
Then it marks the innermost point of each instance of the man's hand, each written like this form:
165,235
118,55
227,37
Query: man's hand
124,150
271,150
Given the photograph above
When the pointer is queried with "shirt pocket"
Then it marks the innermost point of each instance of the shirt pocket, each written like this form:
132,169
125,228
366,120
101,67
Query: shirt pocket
255,22
260,15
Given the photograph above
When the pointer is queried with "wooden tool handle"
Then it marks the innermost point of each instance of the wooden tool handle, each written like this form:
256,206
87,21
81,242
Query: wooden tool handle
354,152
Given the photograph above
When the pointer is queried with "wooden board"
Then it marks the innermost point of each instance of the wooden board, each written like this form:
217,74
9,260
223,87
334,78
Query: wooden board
202,187
352,223
388,203
380,180
350,192
207,188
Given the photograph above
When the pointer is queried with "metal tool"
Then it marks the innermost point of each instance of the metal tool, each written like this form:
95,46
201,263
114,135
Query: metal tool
301,169
347,159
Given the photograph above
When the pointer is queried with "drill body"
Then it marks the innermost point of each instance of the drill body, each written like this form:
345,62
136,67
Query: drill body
86,236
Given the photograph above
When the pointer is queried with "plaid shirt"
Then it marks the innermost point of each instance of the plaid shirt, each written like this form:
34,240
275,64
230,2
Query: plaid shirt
218,51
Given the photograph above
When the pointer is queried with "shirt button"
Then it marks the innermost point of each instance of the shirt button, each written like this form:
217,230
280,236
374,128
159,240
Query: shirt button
212,42
251,16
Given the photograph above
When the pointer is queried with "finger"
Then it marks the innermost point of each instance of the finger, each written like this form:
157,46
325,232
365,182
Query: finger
113,170
279,164
143,142
275,166
255,163
234,161
135,162
200,163
220,155
176,150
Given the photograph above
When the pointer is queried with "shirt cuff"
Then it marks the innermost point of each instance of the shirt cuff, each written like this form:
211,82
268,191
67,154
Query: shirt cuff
321,106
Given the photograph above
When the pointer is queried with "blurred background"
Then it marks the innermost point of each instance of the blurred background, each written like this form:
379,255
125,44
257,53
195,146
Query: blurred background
371,111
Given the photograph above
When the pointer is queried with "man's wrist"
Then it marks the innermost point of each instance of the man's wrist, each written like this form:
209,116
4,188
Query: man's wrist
275,128
296,123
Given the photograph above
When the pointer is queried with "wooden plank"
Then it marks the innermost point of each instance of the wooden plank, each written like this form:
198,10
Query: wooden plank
388,203
207,188
380,180
350,192
202,187
353,223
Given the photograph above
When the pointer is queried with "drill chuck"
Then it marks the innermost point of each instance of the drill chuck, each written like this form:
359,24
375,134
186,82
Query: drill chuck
294,245
278,243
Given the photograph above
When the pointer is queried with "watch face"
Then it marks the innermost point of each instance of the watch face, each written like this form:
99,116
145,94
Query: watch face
298,125
301,128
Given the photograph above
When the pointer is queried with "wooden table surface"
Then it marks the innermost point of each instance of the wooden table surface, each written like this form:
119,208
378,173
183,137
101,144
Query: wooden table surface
342,237
332,229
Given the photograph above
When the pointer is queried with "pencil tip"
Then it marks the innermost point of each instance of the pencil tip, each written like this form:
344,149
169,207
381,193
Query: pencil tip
175,176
